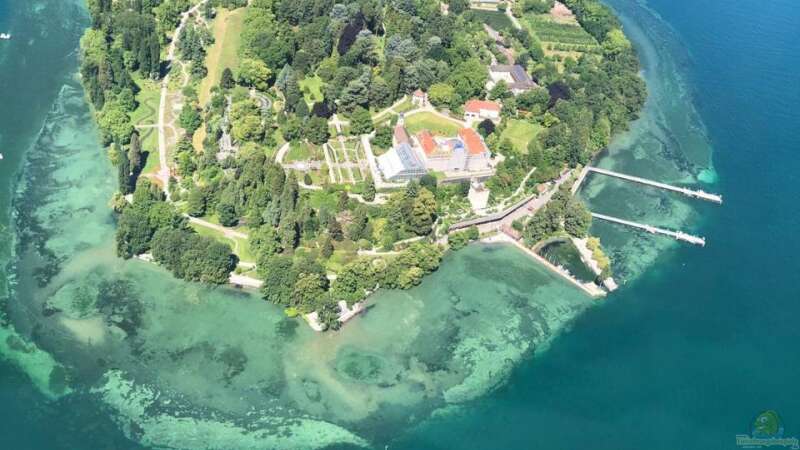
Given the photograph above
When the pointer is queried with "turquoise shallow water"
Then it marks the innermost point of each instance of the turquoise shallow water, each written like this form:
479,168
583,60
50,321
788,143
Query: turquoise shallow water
696,343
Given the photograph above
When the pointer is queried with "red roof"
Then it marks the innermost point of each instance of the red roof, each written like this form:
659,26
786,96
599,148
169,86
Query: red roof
419,93
476,106
400,134
427,142
472,141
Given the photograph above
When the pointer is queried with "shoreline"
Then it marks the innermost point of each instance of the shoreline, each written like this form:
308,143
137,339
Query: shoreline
588,288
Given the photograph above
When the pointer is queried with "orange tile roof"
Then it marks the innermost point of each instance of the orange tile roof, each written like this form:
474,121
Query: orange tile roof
472,141
475,106
400,134
427,142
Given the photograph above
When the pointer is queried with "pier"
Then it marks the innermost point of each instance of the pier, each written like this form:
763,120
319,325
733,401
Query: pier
694,193
677,235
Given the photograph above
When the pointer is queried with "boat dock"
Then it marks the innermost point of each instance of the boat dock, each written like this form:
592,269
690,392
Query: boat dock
693,193
677,235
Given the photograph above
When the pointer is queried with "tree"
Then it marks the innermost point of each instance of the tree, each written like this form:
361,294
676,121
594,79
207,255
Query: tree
354,280
458,6
429,182
227,214
441,94
115,123
369,190
196,203
469,78
127,100
246,121
293,129
326,248
133,233
358,225
342,201
544,223
308,289
577,219
361,122
265,242
379,94
124,178
190,119
135,154
335,230
355,94
288,231
534,100
383,137
207,261
254,73
227,81
167,248
316,130
423,213
279,275
486,127
500,91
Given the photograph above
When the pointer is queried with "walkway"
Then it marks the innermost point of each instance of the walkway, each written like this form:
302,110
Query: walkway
694,193
386,113
524,207
678,235
164,171
245,281
228,232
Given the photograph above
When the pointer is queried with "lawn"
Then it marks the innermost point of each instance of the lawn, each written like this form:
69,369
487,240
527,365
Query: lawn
384,114
149,139
520,133
406,105
344,254
149,97
311,87
323,199
240,247
435,124
495,19
224,53
303,151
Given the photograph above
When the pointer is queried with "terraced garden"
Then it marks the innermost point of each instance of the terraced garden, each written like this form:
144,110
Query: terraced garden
547,30
495,19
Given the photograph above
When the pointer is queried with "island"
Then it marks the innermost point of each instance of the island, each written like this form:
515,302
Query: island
319,150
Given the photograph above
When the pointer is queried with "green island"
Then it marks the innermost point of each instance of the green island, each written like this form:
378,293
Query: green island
319,150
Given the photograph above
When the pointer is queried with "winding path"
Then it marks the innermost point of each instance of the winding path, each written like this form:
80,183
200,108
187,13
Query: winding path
164,171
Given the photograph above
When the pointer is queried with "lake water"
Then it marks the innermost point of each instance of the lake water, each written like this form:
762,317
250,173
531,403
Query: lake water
491,351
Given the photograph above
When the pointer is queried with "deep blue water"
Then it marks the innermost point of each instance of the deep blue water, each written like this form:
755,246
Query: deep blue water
692,352
685,357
